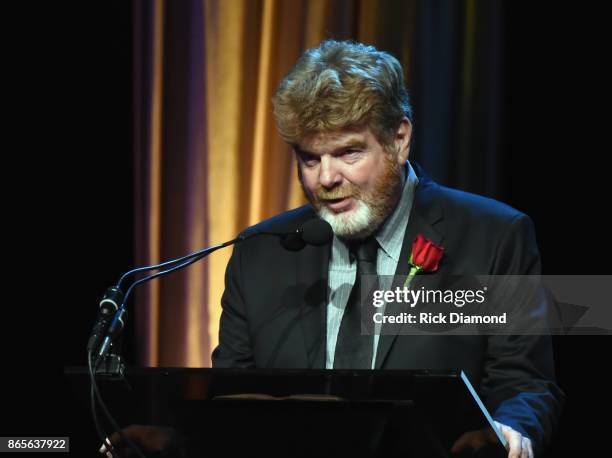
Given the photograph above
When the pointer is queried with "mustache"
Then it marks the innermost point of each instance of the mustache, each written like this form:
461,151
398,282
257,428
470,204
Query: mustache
338,193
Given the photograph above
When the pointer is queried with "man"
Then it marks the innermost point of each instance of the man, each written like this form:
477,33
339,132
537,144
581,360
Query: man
345,111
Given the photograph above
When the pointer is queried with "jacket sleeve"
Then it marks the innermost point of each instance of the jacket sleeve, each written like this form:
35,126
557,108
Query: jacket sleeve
519,381
234,349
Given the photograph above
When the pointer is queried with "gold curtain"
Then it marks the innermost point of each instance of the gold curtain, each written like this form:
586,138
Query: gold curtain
236,169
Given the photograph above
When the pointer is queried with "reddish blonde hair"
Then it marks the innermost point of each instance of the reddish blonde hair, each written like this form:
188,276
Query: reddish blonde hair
342,84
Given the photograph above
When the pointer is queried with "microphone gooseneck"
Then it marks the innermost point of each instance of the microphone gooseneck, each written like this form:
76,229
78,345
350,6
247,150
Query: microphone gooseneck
313,232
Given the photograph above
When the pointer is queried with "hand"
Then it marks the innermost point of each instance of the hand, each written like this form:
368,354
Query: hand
518,446
147,438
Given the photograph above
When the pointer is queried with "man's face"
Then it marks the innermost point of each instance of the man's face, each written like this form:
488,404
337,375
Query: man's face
350,179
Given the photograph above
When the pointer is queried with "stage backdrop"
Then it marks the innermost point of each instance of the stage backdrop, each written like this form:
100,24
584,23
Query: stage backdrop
208,161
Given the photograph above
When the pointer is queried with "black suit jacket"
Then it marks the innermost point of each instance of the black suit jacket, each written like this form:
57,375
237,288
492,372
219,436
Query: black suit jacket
274,305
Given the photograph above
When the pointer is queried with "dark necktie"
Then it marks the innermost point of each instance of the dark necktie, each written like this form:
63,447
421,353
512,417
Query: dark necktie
354,350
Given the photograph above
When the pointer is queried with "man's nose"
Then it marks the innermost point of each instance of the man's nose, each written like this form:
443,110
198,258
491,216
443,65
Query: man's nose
329,175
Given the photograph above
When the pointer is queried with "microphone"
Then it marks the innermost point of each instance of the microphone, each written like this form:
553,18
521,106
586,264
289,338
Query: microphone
109,304
317,232
313,232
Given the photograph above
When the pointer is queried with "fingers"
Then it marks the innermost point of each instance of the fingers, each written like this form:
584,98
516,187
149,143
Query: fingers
515,442
519,446
527,451
470,440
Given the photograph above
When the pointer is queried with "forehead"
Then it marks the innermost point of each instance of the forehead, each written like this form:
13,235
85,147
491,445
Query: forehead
325,142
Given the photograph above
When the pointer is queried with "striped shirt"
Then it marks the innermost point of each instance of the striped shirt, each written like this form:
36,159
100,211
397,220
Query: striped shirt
341,275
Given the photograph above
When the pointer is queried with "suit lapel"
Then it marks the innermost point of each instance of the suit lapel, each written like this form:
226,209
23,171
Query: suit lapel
312,273
424,216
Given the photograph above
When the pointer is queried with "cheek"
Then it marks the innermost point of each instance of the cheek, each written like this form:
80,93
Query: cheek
309,178
362,175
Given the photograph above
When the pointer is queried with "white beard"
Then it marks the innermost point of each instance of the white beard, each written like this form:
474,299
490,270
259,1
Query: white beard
359,223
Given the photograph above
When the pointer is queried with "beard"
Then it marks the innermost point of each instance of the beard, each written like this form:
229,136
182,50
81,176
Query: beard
372,206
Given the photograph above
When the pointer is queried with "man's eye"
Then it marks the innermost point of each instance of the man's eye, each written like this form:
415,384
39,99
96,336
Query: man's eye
310,160
350,153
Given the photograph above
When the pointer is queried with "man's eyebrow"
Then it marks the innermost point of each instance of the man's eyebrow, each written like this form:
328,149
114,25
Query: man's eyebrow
358,144
301,152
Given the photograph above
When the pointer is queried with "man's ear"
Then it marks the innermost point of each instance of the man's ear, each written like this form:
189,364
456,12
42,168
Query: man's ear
402,140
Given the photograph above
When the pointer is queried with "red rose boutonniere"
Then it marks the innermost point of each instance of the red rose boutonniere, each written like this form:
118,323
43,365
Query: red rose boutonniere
425,257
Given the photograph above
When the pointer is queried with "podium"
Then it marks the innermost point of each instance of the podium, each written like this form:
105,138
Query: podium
297,413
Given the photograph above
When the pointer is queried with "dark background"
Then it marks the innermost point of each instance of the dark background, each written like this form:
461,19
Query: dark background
557,126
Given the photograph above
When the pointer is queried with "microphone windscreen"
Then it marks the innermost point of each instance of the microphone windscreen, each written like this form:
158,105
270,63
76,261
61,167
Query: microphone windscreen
317,232
292,241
